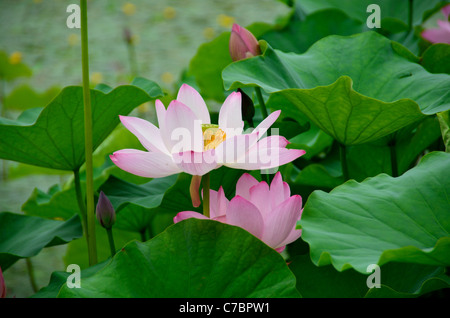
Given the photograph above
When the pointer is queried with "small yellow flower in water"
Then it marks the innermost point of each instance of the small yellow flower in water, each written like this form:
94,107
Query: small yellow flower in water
225,20
15,58
212,136
209,33
169,13
96,78
129,8
73,39
167,77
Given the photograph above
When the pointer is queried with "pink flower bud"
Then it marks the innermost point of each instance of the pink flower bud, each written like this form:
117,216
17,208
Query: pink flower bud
243,43
128,37
105,211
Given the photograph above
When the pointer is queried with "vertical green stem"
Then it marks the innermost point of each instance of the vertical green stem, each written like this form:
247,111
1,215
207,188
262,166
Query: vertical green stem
394,166
80,201
143,236
344,165
410,15
132,59
206,186
112,246
2,114
262,104
4,170
264,112
30,270
2,97
90,209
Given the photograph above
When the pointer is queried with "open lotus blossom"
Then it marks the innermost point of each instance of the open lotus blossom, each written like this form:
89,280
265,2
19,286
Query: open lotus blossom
186,141
269,213
441,34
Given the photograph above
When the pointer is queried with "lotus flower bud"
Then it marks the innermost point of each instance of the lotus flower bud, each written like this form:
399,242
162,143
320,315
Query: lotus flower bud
105,211
248,109
243,43
2,285
127,36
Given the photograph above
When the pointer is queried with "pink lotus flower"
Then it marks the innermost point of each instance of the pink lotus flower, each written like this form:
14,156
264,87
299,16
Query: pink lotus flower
269,213
186,141
243,43
442,34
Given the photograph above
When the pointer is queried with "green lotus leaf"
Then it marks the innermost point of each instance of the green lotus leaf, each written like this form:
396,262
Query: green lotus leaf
56,138
10,71
436,58
193,258
23,236
390,10
383,219
24,97
396,280
356,88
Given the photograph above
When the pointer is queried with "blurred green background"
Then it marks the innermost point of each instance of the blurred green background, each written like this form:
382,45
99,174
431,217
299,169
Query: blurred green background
165,35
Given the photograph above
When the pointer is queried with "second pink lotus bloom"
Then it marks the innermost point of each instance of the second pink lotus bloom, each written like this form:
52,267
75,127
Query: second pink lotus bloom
441,34
269,213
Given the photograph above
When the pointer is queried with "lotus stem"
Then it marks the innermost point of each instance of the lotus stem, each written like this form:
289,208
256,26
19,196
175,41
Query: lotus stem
80,201
262,104
112,246
410,15
2,114
143,235
132,59
264,112
344,164
206,187
393,153
90,209
30,270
